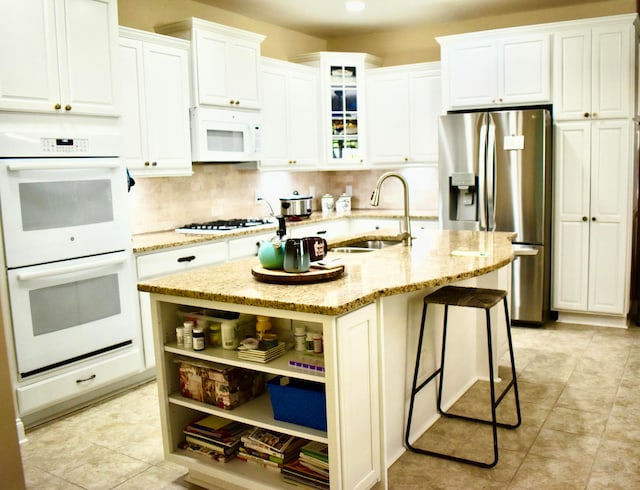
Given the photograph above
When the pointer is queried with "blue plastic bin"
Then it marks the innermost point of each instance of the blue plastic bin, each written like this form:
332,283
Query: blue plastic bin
299,402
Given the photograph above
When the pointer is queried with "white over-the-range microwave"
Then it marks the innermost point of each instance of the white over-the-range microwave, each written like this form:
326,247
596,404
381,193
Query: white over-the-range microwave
224,135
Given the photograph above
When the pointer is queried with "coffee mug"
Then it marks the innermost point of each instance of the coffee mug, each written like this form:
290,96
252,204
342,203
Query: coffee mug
317,248
296,255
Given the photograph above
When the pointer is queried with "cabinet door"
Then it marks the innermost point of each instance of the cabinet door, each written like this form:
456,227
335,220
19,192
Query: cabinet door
303,115
612,75
425,108
166,78
88,52
609,236
211,59
359,412
275,150
388,118
572,74
524,70
244,75
132,120
471,69
593,73
290,116
571,216
28,32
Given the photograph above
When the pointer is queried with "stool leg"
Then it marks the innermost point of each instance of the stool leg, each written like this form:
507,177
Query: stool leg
494,422
442,355
414,385
514,381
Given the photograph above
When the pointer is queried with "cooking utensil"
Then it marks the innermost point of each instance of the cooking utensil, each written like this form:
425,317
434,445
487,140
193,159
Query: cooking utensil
296,205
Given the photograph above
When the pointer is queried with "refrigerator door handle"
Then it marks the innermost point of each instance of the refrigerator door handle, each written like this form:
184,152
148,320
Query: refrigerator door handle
482,177
519,250
491,175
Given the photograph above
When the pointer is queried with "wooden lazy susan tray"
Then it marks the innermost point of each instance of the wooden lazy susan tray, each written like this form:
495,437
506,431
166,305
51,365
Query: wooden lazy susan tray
309,277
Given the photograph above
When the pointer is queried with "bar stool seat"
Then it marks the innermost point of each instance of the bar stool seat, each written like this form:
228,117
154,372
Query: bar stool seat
472,298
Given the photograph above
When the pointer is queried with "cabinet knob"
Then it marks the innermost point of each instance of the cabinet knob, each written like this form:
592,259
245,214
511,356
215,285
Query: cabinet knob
154,164
146,164
586,114
584,218
595,114
593,218
57,107
500,99
67,107
188,258
231,102
237,102
406,159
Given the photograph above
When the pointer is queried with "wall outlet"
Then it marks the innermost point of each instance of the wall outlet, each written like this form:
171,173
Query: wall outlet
312,191
349,190
258,196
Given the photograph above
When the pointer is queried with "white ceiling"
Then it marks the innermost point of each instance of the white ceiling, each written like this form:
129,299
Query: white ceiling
328,18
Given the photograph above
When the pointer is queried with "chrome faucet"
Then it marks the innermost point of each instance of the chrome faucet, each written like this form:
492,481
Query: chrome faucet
405,224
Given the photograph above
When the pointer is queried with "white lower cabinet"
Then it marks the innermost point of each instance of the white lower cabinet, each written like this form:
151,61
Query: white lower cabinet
326,229
169,262
351,386
592,222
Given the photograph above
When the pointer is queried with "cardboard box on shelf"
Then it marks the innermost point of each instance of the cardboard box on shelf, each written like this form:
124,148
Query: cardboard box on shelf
217,384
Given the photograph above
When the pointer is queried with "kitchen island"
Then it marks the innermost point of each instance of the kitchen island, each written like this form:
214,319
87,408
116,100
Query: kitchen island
368,318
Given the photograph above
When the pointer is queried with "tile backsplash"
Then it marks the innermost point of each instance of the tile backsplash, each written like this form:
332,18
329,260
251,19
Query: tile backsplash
227,191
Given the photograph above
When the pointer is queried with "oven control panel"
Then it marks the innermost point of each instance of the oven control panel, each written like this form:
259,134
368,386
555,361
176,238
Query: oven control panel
64,145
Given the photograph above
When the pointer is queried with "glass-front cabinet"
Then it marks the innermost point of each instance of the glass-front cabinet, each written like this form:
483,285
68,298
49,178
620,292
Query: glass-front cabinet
343,96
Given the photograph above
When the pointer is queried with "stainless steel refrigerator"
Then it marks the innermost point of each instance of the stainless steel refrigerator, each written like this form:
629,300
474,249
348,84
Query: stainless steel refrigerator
495,175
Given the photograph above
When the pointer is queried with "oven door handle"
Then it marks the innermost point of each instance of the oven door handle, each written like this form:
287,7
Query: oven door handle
81,164
28,276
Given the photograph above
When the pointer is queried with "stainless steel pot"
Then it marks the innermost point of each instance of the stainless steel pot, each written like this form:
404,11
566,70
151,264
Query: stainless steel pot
296,205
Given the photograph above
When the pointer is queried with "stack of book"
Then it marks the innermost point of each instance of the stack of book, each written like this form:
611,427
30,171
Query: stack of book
214,437
311,468
270,449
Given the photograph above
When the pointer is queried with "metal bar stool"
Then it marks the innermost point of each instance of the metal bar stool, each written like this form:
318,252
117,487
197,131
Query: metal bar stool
472,298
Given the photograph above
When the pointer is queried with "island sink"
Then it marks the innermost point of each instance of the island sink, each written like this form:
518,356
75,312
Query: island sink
366,246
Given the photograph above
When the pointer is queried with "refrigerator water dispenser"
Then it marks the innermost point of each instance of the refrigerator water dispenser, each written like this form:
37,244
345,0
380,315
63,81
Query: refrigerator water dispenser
463,202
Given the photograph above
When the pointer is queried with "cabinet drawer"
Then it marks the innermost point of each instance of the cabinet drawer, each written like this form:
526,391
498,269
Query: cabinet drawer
248,246
79,381
325,229
180,259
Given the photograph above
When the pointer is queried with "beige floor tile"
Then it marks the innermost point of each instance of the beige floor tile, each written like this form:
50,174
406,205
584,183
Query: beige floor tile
600,400
580,448
576,421
550,473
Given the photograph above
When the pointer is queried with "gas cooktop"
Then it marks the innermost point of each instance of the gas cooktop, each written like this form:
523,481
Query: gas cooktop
225,225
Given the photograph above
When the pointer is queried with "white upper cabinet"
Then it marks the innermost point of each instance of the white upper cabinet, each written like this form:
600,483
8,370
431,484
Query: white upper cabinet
59,56
403,107
343,106
290,115
496,68
154,89
593,70
226,63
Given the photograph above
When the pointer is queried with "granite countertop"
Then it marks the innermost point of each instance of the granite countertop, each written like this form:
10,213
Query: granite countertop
368,276
155,241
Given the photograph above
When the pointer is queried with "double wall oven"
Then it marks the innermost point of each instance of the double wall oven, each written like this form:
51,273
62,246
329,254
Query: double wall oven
68,262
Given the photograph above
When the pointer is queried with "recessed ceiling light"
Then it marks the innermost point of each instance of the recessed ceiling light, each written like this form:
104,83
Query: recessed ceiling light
355,5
